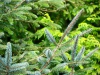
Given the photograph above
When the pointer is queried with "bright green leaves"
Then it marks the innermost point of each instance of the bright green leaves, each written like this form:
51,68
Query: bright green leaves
39,33
46,18
84,26
11,20
93,18
90,41
90,9
46,21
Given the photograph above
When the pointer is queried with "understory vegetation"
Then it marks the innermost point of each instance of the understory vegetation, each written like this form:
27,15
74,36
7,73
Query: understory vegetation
49,37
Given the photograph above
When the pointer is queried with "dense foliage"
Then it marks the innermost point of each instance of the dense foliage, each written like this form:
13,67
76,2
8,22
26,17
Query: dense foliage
24,24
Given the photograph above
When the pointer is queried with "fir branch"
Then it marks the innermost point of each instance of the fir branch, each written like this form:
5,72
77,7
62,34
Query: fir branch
18,66
19,4
66,32
79,55
77,62
46,71
8,12
64,57
37,73
46,10
85,32
59,67
48,53
57,47
22,56
73,53
2,70
79,35
50,37
70,26
2,62
8,54
6,63
90,54
36,57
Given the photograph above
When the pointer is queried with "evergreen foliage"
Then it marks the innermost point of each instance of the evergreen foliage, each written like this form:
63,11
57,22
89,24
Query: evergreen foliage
7,67
27,23
59,68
